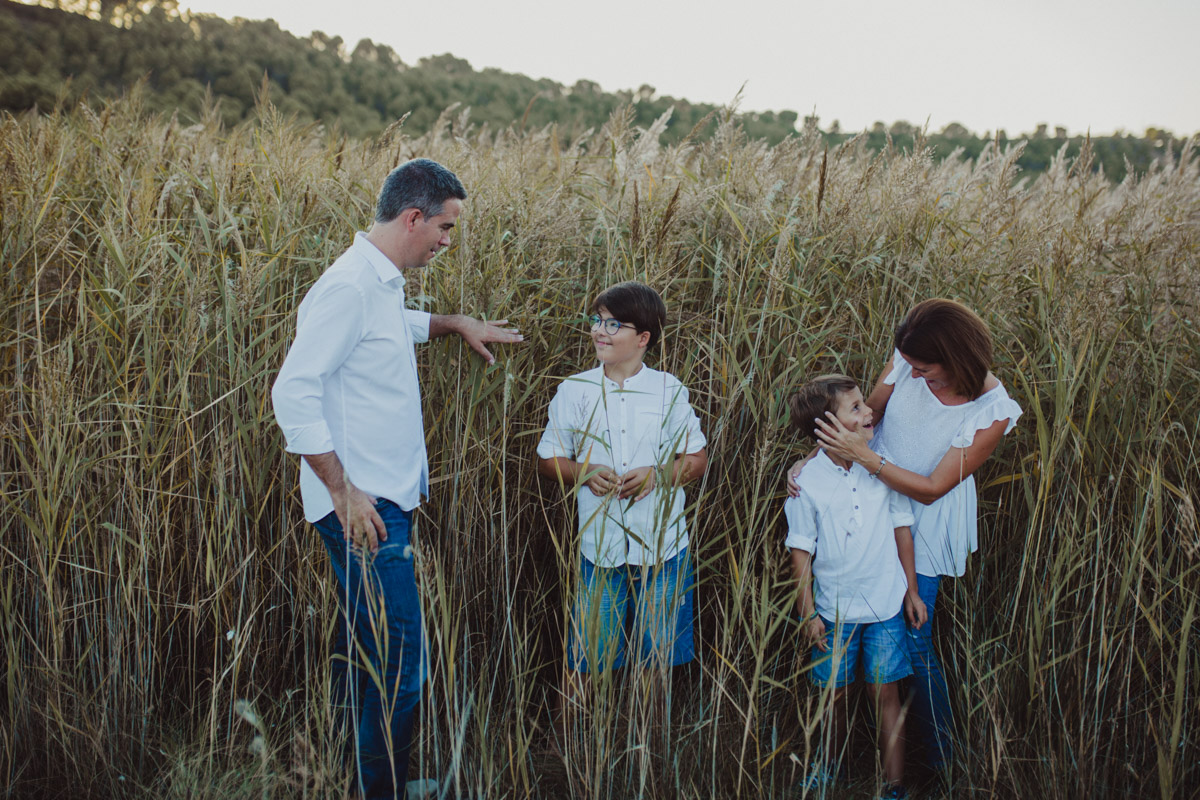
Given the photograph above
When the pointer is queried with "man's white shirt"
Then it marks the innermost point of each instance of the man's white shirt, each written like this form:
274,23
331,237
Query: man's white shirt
646,423
847,520
349,383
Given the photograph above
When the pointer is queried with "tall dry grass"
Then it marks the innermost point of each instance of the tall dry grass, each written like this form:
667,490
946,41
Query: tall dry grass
165,610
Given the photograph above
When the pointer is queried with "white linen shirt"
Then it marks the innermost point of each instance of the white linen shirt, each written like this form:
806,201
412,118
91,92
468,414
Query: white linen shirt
349,382
847,520
648,423
916,432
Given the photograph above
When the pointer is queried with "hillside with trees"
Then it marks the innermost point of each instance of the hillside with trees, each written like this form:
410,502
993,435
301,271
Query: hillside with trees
53,58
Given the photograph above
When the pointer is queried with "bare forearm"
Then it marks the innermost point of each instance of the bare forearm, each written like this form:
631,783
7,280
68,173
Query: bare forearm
904,546
688,468
328,468
802,571
444,324
911,484
560,469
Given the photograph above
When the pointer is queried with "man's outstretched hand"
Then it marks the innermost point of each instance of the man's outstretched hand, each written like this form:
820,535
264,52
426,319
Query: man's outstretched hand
478,333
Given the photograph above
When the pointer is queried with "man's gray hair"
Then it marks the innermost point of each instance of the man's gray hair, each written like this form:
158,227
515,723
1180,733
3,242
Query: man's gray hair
421,184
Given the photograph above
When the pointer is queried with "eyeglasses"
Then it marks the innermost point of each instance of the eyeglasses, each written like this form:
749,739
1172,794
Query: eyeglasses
610,325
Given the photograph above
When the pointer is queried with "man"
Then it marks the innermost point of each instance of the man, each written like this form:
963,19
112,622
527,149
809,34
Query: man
349,402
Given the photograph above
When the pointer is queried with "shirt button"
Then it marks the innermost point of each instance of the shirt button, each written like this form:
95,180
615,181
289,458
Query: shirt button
856,508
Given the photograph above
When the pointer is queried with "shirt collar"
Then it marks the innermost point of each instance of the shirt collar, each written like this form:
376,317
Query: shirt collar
633,380
384,268
827,464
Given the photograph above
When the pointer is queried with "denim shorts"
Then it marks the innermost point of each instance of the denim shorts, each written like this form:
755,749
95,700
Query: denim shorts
880,646
649,605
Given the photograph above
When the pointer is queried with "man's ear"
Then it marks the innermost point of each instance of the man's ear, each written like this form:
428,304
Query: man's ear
410,217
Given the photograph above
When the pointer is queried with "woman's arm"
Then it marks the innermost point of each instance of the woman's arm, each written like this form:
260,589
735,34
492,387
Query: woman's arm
953,469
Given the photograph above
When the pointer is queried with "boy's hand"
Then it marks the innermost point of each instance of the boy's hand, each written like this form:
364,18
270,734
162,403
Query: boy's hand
915,611
603,481
814,632
637,483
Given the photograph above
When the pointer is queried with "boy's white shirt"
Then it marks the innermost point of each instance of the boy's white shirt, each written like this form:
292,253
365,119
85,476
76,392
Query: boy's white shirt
647,423
847,520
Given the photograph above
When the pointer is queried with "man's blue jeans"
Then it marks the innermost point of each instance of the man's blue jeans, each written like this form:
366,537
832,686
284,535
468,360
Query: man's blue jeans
930,698
378,653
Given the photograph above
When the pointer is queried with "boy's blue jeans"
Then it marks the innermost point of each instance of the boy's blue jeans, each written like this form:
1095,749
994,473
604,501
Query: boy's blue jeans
930,697
378,651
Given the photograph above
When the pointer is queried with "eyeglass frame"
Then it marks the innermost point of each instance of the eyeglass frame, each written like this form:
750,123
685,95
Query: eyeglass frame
597,321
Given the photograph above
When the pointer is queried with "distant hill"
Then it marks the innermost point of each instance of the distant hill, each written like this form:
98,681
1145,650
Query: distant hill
51,58
46,54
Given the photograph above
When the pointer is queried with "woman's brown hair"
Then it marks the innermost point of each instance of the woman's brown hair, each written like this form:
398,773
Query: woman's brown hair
948,333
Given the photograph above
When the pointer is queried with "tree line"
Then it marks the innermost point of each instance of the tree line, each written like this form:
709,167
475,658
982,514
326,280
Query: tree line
98,49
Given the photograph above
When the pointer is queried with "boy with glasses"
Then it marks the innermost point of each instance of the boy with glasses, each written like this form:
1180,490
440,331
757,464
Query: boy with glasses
624,438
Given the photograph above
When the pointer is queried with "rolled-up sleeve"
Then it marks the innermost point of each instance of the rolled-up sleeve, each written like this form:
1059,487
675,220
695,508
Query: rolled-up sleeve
326,331
802,523
418,324
900,508
558,440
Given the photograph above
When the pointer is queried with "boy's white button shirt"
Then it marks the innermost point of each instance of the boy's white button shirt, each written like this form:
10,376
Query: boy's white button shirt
349,382
847,520
648,423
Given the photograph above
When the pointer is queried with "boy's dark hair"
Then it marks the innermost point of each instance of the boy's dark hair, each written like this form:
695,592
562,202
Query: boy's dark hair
816,397
944,332
421,184
637,304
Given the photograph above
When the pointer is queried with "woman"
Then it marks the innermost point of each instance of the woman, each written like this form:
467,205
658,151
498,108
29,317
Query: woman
946,413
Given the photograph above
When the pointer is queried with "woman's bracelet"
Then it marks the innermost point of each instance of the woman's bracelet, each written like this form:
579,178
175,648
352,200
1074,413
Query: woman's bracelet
882,461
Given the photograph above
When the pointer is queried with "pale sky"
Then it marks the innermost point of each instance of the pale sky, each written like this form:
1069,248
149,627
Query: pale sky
1103,64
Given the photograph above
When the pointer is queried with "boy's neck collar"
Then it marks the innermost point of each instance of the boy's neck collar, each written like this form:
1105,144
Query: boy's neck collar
619,373
837,462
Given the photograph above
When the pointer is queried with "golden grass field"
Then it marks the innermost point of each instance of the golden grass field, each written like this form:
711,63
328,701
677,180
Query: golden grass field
164,609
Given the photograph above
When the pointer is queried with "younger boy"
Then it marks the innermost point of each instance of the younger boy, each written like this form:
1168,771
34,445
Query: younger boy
625,438
849,534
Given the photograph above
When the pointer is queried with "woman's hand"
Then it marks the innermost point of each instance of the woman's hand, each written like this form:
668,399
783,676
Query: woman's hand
842,442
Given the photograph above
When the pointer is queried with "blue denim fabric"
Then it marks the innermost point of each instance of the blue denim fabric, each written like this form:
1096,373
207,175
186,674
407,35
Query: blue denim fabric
376,683
878,645
930,697
659,599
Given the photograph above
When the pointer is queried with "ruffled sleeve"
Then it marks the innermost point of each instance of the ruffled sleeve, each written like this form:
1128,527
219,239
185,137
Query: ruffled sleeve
997,408
899,368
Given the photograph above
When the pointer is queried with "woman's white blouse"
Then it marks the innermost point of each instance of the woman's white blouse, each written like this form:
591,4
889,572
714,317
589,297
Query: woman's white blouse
917,430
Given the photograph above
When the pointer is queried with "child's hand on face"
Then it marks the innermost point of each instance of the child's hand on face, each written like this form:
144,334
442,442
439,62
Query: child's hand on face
603,481
915,611
814,631
637,483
